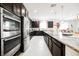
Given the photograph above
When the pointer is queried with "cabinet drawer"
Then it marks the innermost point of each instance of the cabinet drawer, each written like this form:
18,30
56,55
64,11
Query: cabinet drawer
50,44
57,42
56,50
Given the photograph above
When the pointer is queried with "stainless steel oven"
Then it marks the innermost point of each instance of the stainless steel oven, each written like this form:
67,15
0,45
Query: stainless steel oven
10,32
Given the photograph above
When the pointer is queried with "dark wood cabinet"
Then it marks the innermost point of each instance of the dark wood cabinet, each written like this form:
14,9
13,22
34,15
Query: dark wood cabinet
19,9
16,8
46,39
50,24
35,24
56,48
8,6
56,51
0,35
23,10
50,44
36,33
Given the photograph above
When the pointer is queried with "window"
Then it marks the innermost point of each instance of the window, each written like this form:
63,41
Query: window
35,24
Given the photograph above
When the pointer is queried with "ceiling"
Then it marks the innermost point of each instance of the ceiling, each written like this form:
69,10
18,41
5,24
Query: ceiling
59,11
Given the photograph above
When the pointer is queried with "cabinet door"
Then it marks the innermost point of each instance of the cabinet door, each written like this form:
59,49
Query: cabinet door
35,24
23,10
8,6
17,8
0,34
47,39
56,50
50,43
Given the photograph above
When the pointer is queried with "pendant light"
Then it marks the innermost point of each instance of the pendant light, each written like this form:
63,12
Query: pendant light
62,12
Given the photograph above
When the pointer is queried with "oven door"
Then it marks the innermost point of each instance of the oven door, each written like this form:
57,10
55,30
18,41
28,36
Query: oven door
9,47
10,27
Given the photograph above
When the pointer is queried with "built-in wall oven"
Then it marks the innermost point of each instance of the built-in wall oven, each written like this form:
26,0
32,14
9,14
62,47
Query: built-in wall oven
10,32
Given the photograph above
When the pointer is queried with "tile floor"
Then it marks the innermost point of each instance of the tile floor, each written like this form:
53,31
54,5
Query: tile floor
37,47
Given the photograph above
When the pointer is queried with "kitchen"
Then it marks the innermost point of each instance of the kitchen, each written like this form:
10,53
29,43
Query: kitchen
56,23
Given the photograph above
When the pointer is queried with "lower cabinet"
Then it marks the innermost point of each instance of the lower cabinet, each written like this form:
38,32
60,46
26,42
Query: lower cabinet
50,44
56,48
56,51
46,39
37,33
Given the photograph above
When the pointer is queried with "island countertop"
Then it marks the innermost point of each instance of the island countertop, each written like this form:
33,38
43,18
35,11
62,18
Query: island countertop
72,42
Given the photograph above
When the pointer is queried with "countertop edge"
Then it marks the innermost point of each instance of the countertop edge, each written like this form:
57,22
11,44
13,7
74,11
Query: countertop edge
76,49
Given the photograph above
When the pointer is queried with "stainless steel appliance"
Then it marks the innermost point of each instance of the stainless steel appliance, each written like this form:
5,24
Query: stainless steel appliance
10,32
26,33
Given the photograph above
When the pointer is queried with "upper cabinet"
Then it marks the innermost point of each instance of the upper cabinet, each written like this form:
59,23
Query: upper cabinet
35,24
8,6
19,9
16,8
50,24
23,10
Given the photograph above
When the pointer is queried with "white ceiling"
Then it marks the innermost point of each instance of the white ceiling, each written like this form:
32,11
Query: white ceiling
43,11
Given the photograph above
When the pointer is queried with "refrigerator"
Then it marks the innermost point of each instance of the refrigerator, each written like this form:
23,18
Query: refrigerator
25,38
26,33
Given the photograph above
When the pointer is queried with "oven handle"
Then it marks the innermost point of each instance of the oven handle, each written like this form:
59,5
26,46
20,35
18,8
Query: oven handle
5,16
2,47
6,39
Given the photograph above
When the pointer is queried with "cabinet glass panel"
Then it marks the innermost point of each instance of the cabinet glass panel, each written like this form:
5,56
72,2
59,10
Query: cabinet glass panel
50,24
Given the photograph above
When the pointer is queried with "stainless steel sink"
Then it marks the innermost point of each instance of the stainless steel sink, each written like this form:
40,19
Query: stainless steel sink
67,34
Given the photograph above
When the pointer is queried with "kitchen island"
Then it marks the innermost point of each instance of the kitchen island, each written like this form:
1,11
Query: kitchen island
66,45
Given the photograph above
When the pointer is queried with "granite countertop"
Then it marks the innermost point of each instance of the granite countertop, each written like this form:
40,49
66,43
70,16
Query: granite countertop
70,41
